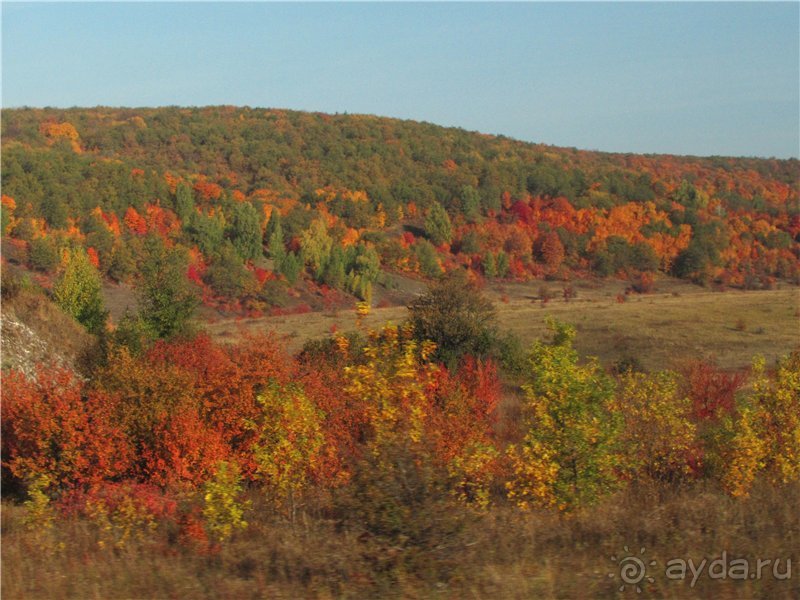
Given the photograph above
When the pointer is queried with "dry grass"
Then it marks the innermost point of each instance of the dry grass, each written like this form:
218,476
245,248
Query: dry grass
661,330
505,553
664,330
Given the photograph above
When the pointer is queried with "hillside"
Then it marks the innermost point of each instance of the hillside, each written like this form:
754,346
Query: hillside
272,208
236,429
35,331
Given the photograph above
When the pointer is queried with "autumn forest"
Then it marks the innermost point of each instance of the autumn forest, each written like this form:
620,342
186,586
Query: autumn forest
436,455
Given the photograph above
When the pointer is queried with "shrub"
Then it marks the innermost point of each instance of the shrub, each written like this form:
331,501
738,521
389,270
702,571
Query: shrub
223,509
43,254
658,433
408,520
764,435
569,453
456,317
52,428
289,443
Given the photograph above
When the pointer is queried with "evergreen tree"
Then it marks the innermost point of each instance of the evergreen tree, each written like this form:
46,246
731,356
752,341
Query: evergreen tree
334,275
290,267
428,259
276,245
184,203
470,203
273,225
165,298
502,264
43,254
227,274
438,226
245,231
207,231
54,212
122,263
489,265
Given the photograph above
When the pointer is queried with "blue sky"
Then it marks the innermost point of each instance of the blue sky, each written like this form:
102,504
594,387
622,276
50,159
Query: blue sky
681,78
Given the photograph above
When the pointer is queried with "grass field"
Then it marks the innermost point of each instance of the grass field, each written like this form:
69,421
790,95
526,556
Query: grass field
505,553
678,322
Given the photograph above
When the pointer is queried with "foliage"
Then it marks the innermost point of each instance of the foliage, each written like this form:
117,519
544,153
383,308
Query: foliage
123,513
289,441
658,433
227,275
43,254
395,451
316,245
223,509
165,299
106,179
764,435
290,267
568,455
52,429
437,225
429,264
245,231
401,508
552,252
407,400
78,292
39,515
456,317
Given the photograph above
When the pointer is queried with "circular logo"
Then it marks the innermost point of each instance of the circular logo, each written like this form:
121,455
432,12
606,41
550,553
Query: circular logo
632,570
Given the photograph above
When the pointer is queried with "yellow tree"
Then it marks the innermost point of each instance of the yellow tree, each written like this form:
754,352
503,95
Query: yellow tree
411,402
289,443
391,384
570,451
764,436
658,435
78,291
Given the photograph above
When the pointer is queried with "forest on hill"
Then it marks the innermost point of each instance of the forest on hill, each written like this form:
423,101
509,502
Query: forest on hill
250,203
435,457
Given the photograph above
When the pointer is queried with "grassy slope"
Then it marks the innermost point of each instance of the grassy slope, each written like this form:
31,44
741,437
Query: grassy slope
678,322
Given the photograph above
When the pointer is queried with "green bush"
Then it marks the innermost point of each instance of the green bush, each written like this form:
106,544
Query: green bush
43,255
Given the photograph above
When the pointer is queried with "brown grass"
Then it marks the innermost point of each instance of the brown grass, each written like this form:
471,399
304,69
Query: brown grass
505,553
661,330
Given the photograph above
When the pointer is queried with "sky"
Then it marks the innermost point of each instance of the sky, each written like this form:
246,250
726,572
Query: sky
675,78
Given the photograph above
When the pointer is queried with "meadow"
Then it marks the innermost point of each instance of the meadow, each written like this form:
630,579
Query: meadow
676,323
503,554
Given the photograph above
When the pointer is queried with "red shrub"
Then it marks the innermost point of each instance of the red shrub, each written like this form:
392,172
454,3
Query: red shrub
711,390
50,427
186,450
